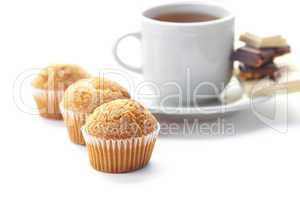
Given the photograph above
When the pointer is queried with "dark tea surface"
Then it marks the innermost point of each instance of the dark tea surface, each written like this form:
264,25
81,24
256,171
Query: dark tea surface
185,17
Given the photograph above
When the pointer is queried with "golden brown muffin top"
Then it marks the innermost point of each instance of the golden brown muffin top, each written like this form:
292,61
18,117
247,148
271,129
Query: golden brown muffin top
87,94
58,76
120,119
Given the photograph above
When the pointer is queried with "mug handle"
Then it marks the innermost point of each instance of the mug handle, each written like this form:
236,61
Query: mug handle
138,36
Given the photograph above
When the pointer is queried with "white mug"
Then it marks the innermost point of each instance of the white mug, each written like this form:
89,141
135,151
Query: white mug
188,61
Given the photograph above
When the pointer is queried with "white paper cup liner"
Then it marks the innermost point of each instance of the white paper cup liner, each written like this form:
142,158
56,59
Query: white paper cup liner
121,155
74,121
48,102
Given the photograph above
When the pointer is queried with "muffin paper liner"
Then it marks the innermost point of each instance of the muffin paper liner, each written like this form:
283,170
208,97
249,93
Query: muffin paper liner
74,121
120,155
47,102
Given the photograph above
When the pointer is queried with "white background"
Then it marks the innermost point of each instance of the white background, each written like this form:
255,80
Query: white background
37,161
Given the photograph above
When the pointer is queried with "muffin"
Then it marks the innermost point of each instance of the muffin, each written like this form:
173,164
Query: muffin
82,97
120,136
49,86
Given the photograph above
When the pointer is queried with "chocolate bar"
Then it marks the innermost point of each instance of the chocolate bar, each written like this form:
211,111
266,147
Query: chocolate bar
263,42
258,57
268,70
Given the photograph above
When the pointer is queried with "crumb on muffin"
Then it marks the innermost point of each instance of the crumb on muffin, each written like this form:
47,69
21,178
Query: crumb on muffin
120,119
58,76
87,94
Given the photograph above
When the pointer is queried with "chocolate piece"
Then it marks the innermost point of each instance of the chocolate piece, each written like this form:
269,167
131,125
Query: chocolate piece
247,68
258,57
253,57
262,42
250,73
278,51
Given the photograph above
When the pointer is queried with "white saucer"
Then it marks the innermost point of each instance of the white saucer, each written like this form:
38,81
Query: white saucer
231,100
215,107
